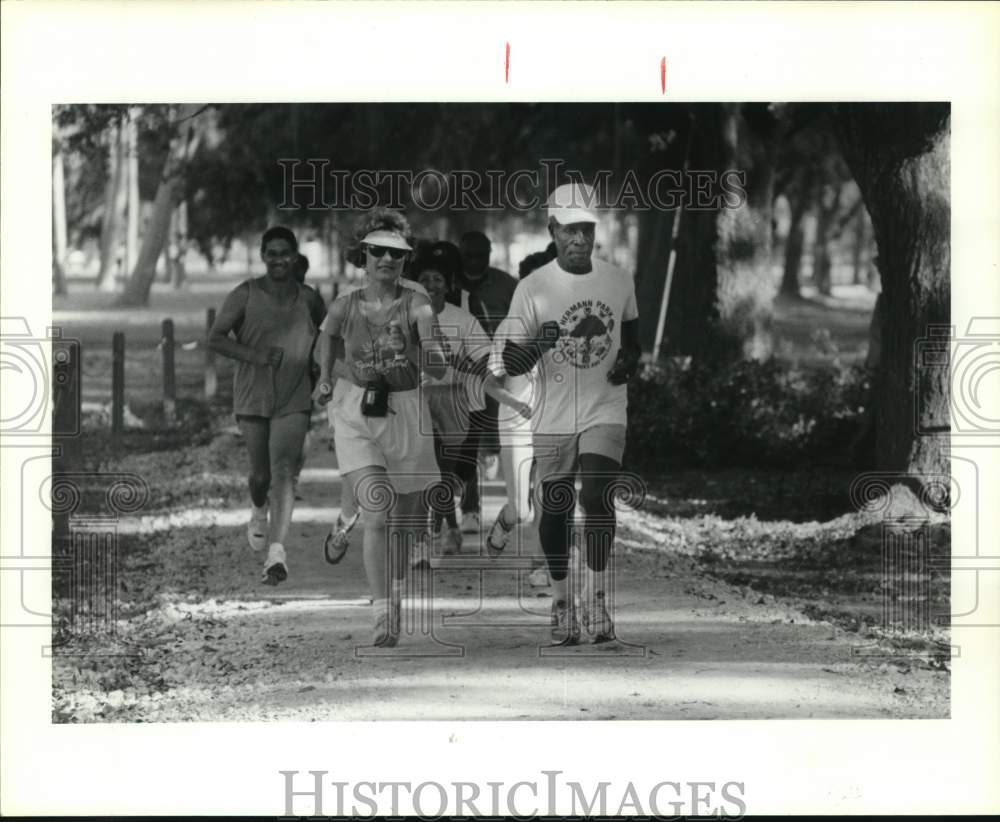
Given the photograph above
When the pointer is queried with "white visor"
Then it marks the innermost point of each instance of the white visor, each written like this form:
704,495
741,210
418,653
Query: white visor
387,239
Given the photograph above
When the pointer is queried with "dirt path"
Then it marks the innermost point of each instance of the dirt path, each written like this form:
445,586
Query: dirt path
690,647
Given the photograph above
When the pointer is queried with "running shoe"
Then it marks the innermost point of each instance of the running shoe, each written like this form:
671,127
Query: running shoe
387,627
339,539
565,628
491,467
421,552
496,540
275,566
471,523
539,578
257,529
597,620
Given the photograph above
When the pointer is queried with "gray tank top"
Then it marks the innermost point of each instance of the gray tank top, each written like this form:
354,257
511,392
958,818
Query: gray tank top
264,391
367,352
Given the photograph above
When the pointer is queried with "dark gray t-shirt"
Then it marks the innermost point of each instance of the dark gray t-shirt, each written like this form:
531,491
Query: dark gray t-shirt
262,390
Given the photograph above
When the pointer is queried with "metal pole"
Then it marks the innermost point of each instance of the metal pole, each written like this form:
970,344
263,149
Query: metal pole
672,259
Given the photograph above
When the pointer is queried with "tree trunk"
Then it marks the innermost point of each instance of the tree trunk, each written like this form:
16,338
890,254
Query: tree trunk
167,196
860,244
722,291
177,247
114,207
793,253
746,289
58,225
828,201
134,205
899,154
651,267
692,325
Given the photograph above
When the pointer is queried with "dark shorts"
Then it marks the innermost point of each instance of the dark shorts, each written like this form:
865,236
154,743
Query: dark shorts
558,455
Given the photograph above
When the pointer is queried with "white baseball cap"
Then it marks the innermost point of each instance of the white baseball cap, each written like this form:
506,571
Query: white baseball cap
573,203
387,239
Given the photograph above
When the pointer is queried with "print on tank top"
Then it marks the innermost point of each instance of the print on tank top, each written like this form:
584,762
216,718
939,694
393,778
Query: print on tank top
377,358
370,354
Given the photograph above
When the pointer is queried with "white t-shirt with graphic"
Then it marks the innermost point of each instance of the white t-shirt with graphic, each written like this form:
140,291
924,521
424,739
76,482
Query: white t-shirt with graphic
590,309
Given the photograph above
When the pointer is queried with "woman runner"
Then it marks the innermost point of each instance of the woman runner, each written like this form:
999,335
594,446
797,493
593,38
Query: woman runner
385,331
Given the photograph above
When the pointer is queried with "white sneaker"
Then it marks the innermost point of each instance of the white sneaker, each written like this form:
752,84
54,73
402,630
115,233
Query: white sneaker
496,539
470,523
491,467
275,566
339,539
596,618
257,528
387,626
539,578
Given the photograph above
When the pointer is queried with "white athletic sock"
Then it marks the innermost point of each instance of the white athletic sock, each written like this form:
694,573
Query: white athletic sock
259,513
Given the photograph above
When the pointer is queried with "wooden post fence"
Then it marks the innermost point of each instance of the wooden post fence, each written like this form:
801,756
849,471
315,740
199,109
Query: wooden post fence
169,375
210,377
117,387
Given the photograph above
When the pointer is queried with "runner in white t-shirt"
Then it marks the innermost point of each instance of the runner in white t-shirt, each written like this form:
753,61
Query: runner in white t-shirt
452,396
577,319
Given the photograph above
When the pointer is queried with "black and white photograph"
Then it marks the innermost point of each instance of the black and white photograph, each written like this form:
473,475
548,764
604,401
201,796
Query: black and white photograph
403,410
515,400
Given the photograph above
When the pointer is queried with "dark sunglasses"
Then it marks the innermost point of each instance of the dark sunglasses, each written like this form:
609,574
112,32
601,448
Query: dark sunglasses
378,251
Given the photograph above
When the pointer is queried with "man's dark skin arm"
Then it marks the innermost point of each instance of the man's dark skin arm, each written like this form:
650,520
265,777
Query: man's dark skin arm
629,355
520,359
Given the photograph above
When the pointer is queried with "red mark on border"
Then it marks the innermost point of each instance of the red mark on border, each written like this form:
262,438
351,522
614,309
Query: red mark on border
506,65
663,75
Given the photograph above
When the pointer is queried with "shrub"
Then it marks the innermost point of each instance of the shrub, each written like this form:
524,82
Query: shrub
745,413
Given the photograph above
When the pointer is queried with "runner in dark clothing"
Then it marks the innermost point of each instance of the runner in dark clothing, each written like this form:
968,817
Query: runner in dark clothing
489,294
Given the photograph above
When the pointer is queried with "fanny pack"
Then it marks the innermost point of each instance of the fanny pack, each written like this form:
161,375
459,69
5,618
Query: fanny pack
375,400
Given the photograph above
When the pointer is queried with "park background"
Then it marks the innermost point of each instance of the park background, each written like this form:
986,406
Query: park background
794,53
778,426
155,207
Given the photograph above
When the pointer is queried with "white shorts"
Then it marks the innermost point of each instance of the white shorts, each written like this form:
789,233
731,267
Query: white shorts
393,442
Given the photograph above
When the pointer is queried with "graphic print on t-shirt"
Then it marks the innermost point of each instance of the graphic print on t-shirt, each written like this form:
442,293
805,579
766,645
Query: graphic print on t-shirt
378,358
585,333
